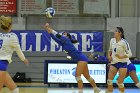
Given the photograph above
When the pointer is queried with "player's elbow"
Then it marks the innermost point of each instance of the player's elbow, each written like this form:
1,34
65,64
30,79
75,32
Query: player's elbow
129,55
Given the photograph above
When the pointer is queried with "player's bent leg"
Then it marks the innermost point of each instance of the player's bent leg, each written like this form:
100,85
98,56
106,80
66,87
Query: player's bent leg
80,83
138,85
16,90
122,75
79,71
88,77
2,77
110,84
91,80
78,78
1,85
112,72
121,86
134,76
95,88
11,84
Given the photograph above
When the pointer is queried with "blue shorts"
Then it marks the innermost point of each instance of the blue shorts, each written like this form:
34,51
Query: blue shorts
81,57
120,65
131,67
3,65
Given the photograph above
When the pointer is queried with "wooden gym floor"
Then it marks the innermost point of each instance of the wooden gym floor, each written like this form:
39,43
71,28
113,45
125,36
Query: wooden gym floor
42,88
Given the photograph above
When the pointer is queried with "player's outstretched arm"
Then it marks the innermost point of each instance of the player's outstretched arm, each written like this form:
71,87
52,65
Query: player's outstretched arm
26,62
15,44
48,28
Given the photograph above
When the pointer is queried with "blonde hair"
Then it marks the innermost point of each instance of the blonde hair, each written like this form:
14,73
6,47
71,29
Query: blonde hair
5,23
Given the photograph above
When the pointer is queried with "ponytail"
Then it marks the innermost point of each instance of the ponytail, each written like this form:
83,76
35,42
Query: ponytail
5,23
74,41
123,36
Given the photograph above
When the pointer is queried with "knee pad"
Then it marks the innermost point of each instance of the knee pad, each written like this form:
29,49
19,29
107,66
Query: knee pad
90,79
121,85
109,82
138,85
78,78
16,90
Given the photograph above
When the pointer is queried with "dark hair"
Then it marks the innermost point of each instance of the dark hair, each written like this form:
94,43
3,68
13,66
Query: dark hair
72,40
120,29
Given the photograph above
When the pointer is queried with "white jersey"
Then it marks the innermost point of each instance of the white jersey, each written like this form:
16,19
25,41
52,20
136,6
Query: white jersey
122,48
8,44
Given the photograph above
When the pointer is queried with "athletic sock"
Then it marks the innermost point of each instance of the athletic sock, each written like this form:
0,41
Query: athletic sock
80,90
16,90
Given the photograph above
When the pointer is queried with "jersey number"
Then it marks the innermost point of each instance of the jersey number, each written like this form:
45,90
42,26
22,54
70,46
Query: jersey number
114,49
1,42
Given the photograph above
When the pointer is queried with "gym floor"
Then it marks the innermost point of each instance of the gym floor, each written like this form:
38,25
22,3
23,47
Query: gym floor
42,88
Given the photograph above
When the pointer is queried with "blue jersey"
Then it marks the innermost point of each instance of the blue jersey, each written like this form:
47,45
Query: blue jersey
68,46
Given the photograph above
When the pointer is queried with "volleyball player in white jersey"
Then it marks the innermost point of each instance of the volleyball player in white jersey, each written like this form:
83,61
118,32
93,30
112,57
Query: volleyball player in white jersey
8,44
118,54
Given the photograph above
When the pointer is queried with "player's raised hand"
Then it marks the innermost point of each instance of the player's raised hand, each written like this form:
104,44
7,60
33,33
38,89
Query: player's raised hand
47,25
26,62
48,28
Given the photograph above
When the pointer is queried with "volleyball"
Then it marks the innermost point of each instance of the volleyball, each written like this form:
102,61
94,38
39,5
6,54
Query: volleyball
50,12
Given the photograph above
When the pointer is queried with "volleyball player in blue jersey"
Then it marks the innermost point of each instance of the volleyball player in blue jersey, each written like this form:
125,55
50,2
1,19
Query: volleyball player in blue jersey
8,44
67,42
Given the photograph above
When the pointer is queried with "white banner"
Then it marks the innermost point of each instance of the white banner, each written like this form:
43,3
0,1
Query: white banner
66,6
96,6
65,73
31,6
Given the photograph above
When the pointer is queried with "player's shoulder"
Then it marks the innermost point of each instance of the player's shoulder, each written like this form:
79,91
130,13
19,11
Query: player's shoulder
124,41
113,39
13,35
